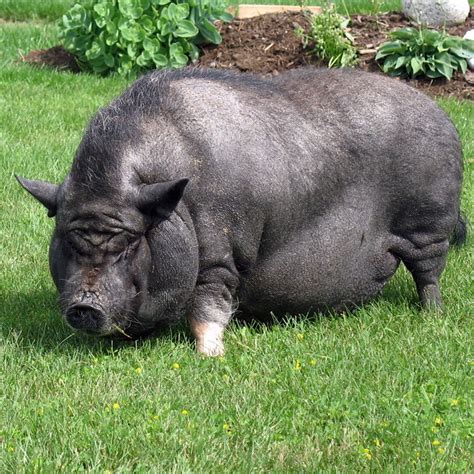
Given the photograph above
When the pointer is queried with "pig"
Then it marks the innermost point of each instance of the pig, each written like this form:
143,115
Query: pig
198,192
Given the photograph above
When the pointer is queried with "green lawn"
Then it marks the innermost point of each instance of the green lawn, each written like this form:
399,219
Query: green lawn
386,389
53,9
351,6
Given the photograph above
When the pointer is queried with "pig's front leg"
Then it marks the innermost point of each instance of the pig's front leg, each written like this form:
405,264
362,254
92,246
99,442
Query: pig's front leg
210,313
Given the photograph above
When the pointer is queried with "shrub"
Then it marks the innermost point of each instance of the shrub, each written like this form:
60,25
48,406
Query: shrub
332,42
130,36
425,52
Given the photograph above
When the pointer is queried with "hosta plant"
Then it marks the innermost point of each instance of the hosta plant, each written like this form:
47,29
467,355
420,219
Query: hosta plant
422,52
131,36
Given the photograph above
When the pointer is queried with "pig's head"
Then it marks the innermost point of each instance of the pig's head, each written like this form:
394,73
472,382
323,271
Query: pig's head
103,256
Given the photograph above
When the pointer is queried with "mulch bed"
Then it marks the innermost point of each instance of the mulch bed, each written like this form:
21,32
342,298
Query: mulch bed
267,45
56,57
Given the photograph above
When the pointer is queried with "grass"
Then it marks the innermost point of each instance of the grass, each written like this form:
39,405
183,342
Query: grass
18,10
386,389
53,9
351,6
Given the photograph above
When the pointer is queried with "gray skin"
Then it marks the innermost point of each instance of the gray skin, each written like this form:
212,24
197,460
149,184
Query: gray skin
199,191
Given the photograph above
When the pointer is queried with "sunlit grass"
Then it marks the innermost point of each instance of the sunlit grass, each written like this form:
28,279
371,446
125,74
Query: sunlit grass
53,9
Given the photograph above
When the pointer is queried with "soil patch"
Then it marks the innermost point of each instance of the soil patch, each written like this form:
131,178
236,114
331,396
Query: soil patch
267,45
56,57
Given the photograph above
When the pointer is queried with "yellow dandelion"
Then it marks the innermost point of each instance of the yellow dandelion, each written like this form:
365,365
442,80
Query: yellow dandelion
297,364
226,427
11,449
418,455
436,442
438,421
300,336
312,362
175,366
441,450
455,402
116,406
367,454
185,412
377,442
138,370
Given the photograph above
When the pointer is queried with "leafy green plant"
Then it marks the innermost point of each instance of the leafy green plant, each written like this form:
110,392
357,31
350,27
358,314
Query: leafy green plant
425,52
130,36
332,42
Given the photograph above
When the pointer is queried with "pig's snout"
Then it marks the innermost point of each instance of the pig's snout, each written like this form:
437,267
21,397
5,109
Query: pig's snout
86,318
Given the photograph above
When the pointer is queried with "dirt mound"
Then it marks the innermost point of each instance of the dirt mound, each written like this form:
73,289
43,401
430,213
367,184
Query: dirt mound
56,57
267,45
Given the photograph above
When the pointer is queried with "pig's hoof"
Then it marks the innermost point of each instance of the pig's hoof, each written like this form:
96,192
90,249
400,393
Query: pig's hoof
210,348
209,337
431,299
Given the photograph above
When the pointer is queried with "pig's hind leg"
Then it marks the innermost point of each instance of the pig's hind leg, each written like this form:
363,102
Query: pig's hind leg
425,261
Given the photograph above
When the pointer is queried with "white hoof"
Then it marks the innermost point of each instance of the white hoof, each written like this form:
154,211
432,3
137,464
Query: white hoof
209,338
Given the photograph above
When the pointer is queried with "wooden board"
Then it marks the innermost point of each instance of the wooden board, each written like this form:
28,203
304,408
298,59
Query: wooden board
249,11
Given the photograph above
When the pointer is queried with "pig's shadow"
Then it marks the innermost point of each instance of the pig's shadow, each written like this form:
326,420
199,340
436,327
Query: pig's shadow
33,319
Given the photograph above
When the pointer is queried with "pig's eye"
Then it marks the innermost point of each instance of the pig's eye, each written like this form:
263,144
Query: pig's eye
129,249
134,244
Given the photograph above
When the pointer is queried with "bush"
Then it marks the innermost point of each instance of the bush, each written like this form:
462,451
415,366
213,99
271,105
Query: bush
332,42
424,52
131,36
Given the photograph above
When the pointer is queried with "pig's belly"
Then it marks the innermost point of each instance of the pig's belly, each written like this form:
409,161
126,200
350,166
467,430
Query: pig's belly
320,268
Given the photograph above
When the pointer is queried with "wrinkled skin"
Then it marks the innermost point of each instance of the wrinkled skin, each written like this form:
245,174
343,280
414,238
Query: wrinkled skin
196,192
105,266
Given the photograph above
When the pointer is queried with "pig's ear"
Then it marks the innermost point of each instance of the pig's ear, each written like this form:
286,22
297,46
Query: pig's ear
45,192
161,199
